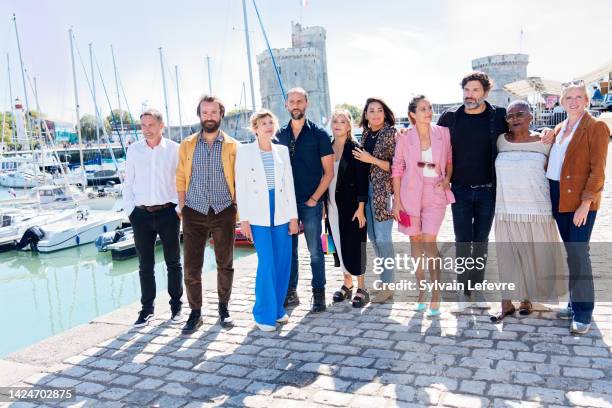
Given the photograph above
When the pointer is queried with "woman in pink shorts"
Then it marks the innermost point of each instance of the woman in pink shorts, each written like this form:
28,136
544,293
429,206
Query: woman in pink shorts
422,169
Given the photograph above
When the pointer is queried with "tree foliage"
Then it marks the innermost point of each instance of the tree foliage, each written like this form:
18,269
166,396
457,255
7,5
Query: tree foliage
354,110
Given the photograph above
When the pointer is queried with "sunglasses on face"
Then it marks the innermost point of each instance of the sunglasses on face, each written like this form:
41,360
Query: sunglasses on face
517,115
576,82
426,165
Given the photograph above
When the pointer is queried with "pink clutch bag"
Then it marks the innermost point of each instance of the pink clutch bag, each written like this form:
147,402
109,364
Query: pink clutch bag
404,219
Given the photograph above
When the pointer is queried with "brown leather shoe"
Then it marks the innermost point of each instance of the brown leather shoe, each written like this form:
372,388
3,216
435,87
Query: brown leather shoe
382,296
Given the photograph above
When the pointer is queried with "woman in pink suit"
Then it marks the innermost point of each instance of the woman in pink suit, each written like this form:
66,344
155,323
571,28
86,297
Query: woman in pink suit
422,169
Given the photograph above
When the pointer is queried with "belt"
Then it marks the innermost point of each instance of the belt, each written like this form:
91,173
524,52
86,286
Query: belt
488,185
154,208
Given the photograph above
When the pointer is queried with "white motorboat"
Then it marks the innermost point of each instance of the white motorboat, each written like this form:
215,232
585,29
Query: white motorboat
16,222
83,228
25,177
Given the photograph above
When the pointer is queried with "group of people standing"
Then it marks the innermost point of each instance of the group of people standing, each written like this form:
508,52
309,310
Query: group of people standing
481,159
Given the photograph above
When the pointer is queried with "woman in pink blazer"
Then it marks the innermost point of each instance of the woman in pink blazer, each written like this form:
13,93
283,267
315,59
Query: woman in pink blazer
422,169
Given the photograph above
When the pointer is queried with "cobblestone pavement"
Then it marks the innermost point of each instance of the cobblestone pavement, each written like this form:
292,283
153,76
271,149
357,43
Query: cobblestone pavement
381,356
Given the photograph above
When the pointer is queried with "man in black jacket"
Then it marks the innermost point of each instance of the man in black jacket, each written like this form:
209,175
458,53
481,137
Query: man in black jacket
474,128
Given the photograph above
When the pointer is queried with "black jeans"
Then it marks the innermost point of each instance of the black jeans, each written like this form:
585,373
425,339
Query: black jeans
473,213
146,226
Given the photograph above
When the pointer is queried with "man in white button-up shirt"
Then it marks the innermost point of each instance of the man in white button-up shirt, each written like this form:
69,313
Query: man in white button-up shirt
150,199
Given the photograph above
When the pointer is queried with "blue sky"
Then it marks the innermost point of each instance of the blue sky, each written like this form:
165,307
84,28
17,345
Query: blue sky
389,48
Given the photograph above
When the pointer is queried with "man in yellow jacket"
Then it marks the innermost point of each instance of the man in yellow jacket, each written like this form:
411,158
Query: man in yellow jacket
206,204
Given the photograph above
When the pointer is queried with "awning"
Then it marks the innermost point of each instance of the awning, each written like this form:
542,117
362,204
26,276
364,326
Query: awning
533,85
598,74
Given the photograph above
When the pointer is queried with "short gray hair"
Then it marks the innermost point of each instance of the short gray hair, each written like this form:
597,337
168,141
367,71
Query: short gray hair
519,103
298,90
154,113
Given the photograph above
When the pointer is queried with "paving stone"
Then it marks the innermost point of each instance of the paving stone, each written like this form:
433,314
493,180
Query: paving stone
365,388
260,388
506,391
126,380
325,369
333,398
367,401
581,372
265,374
473,387
438,382
149,384
114,394
545,395
591,351
62,382
154,371
589,399
568,383
362,374
170,401
234,370
400,392
140,398
88,388
99,376
450,399
176,389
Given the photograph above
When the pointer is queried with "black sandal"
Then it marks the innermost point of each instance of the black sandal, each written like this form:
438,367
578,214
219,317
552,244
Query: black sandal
362,298
343,294
526,308
500,316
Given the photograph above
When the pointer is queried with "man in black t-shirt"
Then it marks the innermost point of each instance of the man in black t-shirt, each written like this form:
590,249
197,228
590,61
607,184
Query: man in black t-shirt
474,128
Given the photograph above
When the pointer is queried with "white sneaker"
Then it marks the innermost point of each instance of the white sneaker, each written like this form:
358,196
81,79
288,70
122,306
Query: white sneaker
265,327
463,302
459,307
283,320
480,301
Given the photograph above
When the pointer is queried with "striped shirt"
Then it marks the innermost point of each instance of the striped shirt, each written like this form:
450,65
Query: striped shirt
268,163
208,187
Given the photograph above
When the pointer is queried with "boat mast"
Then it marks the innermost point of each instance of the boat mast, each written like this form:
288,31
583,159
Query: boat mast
10,85
209,75
23,80
161,60
95,101
118,94
178,97
76,104
248,48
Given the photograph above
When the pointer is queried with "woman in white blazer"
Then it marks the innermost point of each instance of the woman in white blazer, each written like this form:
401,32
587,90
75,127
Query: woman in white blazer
268,215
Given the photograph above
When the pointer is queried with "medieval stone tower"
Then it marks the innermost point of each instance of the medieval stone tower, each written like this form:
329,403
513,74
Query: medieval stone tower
503,69
304,65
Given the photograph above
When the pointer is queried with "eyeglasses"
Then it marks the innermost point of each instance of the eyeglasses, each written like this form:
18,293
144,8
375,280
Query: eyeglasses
291,146
426,164
575,82
517,115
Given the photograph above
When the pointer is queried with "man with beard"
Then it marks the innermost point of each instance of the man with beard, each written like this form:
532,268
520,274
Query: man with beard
312,162
474,128
206,196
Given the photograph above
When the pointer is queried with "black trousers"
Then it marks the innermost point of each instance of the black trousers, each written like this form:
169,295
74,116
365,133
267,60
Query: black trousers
146,226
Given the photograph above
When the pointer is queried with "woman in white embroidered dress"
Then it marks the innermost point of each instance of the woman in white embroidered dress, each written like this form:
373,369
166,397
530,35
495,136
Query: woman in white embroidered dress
526,237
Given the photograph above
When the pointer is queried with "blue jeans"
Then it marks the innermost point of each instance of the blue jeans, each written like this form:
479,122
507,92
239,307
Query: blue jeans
379,234
273,246
473,212
311,219
576,240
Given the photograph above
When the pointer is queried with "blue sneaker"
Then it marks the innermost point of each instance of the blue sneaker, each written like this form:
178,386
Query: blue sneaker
579,328
566,314
433,313
420,307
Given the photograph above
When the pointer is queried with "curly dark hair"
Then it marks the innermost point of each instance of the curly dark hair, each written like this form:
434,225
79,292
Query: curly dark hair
389,115
480,77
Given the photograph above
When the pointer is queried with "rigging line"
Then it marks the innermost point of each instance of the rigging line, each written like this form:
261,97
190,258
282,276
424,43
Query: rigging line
47,134
110,148
127,105
263,30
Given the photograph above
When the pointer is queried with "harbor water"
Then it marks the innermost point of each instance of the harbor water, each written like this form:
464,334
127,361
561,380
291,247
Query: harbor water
42,295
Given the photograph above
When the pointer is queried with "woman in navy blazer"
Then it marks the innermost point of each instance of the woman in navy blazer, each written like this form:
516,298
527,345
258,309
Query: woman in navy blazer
266,206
